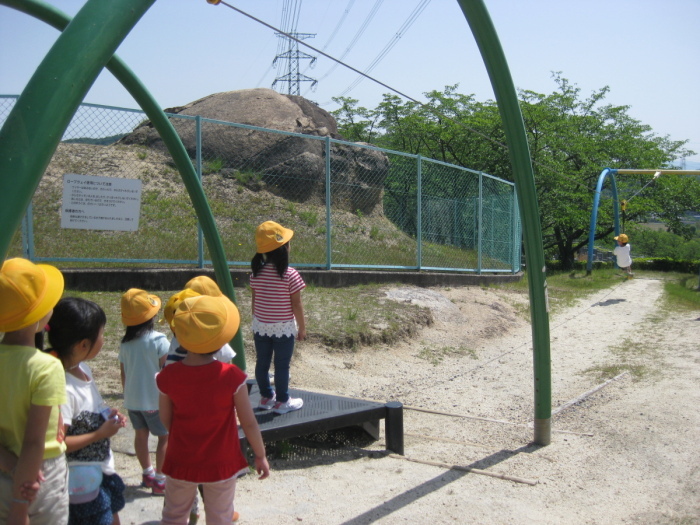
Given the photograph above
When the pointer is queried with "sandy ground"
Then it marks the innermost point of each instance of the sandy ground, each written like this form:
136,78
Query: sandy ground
626,453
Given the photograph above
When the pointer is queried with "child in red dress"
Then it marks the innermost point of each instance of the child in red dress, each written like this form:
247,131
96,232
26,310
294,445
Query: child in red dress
200,398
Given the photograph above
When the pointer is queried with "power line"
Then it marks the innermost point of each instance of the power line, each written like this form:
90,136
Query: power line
404,95
337,27
358,34
390,45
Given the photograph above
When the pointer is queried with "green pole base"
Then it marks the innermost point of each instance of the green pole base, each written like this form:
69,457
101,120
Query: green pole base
543,431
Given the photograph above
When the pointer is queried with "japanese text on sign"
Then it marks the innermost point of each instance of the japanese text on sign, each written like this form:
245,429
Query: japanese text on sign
100,203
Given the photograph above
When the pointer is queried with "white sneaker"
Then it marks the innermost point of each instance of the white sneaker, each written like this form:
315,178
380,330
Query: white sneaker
266,403
288,406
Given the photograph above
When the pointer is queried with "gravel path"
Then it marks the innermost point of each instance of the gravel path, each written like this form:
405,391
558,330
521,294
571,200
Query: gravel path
626,453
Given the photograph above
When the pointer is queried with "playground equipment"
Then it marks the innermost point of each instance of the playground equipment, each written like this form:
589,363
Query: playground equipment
34,128
610,173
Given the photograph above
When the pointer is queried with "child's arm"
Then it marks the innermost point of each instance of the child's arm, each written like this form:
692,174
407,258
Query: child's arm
165,411
298,309
251,431
122,374
31,457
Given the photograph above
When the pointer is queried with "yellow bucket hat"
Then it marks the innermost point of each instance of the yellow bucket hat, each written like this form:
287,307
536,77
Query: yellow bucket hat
28,292
204,285
269,236
174,302
138,306
203,324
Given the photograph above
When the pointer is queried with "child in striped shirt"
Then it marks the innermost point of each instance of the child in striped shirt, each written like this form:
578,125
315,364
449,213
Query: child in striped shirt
278,315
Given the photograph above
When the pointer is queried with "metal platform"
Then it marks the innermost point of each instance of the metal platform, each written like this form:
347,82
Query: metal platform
322,412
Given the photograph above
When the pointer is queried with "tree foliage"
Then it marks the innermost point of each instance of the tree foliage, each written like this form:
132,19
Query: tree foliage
571,140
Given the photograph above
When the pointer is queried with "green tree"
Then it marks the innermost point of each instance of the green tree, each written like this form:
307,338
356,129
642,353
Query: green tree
355,123
571,140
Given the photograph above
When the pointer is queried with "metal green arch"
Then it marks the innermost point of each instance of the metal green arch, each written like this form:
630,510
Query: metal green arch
39,118
34,127
495,61
607,172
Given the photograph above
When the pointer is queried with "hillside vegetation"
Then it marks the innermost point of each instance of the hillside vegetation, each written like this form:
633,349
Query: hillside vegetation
239,201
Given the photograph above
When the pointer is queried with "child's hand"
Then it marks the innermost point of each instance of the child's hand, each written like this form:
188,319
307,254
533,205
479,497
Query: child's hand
29,490
119,417
262,467
111,427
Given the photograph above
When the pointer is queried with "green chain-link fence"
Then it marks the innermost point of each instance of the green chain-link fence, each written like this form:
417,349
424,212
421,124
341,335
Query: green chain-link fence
351,205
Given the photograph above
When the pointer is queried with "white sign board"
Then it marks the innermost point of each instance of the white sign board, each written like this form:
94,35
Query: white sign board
100,203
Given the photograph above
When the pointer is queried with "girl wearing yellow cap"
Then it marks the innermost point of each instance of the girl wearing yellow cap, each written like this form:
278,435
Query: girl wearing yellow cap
278,315
622,252
32,389
142,354
200,399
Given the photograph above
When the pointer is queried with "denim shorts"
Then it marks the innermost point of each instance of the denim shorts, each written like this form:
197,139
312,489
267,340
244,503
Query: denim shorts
149,419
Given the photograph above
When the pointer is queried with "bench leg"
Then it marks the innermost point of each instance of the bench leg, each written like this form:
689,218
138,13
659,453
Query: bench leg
393,427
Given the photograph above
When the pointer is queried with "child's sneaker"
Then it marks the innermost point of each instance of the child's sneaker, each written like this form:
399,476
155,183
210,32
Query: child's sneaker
148,480
289,405
235,516
266,403
158,487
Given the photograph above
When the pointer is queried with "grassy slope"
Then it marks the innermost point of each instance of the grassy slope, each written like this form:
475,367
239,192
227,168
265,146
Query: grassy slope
239,201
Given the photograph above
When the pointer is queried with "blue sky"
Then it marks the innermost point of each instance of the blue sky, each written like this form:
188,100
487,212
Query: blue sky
646,51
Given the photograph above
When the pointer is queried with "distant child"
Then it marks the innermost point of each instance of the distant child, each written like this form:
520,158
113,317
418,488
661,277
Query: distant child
622,252
32,389
200,285
200,398
76,335
142,354
278,315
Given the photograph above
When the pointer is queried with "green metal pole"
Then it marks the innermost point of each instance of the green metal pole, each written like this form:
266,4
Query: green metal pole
170,138
491,51
42,113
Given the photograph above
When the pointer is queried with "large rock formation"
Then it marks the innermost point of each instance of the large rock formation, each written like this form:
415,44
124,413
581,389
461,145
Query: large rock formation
290,166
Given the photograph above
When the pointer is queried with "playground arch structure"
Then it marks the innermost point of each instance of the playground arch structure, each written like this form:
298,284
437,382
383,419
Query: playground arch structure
610,173
41,115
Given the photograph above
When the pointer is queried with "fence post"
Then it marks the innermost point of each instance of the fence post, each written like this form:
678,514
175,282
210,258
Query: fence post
28,233
200,234
329,242
514,219
480,224
419,213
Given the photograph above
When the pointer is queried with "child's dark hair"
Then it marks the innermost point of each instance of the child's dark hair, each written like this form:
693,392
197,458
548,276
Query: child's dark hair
279,257
73,320
139,330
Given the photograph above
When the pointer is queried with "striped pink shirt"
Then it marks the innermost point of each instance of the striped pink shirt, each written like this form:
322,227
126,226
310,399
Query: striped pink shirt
273,301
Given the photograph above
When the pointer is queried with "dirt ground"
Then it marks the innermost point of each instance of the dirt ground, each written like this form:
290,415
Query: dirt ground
626,453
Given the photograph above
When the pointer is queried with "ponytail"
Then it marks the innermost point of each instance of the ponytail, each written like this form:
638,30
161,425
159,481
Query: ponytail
257,263
279,257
